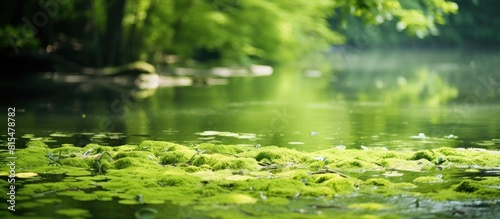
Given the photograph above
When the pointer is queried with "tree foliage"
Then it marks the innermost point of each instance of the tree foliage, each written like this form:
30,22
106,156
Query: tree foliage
221,31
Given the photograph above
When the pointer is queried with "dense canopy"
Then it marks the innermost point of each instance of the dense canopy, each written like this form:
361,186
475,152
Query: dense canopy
100,33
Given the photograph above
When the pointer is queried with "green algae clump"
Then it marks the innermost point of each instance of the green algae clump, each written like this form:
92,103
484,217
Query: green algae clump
175,157
220,162
427,155
280,155
378,182
216,177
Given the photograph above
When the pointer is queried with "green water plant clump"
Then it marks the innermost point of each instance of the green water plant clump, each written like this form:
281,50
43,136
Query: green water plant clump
209,175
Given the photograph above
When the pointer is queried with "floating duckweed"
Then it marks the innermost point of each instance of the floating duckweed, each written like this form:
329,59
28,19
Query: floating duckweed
369,206
27,205
49,200
428,179
50,187
79,195
129,202
74,212
277,201
25,175
233,198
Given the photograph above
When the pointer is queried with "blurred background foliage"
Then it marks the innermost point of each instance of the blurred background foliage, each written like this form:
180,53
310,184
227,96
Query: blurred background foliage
234,32
474,26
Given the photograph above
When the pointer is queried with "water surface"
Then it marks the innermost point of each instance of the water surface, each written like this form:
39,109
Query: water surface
401,100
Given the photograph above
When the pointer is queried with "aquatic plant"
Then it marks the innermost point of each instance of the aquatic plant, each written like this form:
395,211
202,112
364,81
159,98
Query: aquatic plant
209,175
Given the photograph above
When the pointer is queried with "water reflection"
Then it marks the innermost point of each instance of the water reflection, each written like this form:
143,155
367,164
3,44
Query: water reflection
355,106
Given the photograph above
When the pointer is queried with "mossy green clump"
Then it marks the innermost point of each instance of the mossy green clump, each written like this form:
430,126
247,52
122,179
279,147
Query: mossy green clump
281,155
160,147
486,160
320,178
179,180
378,182
68,150
97,149
125,162
77,162
175,157
220,162
469,189
352,163
447,151
32,157
135,162
220,149
407,165
425,154
468,186
340,185
480,188
224,176
276,187
212,189
140,154
37,143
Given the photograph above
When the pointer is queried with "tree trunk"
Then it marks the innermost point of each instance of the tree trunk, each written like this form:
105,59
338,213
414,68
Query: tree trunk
113,34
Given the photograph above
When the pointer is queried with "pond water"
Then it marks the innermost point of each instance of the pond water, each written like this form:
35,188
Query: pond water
401,100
